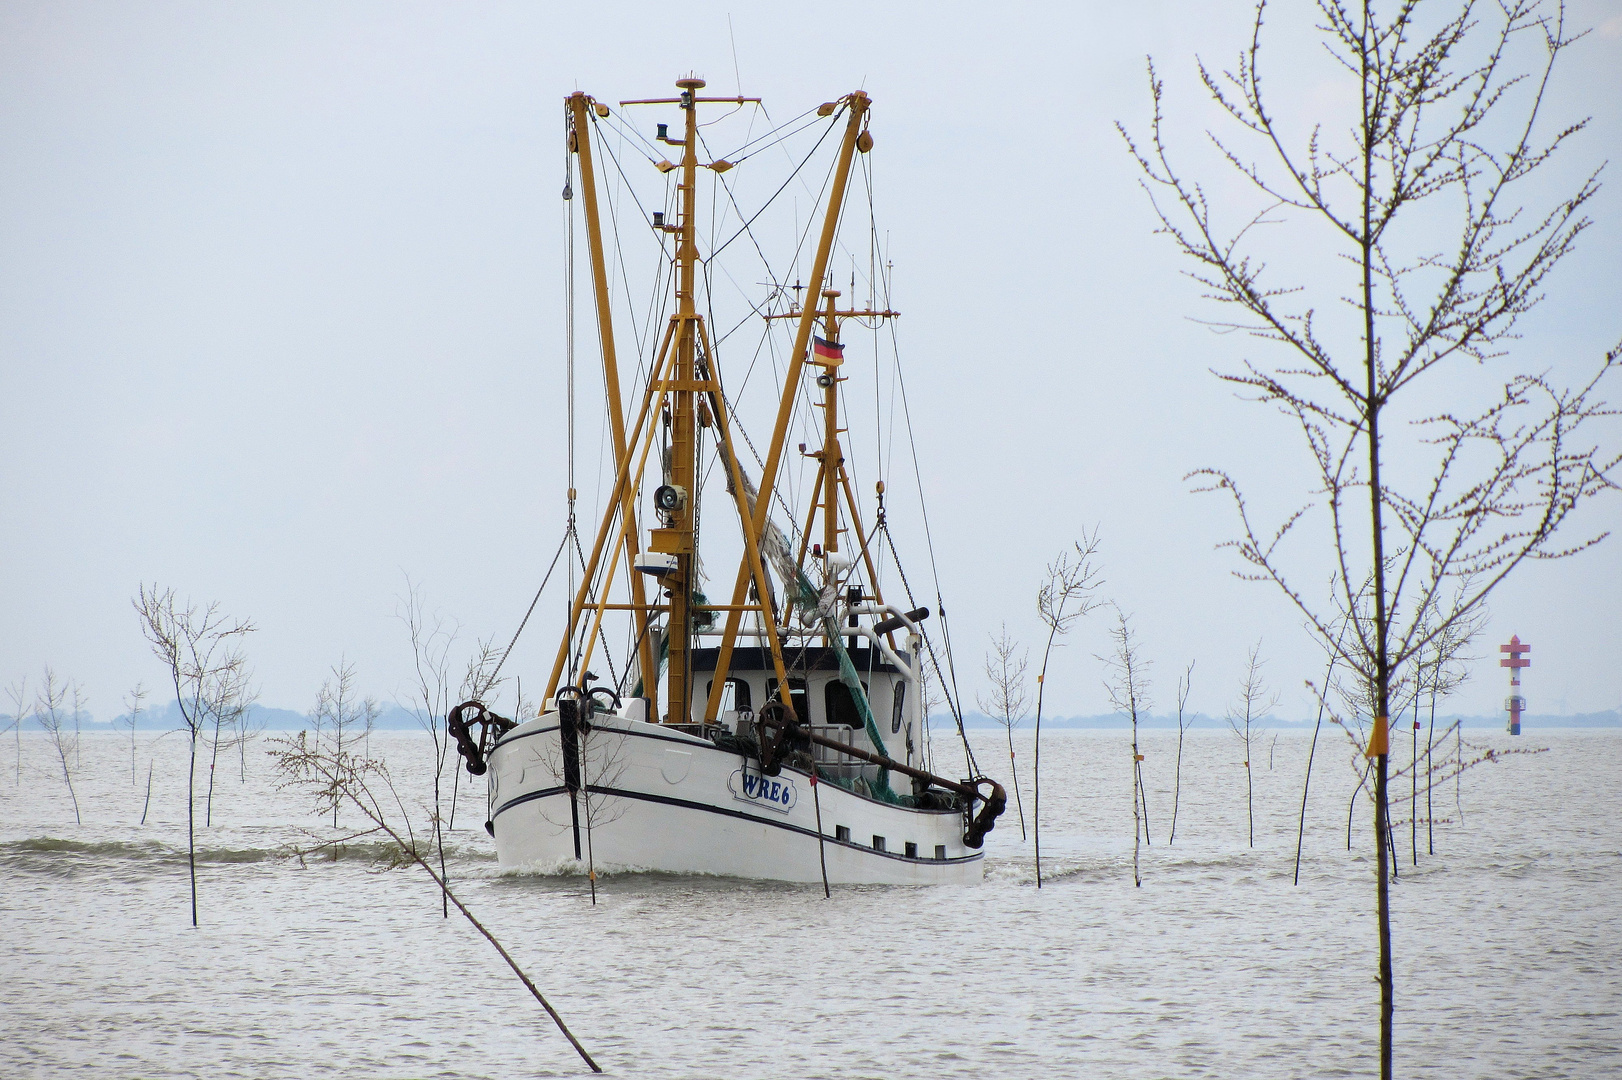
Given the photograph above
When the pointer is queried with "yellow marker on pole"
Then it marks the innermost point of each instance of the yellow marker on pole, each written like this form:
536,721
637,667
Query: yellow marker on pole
1379,739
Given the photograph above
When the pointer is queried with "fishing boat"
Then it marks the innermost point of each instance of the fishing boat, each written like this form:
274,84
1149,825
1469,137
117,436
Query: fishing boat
780,735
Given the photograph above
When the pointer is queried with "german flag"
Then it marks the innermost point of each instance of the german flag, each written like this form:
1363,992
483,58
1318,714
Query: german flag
827,350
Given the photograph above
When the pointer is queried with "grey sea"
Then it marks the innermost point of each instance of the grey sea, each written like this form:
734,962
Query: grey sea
1508,937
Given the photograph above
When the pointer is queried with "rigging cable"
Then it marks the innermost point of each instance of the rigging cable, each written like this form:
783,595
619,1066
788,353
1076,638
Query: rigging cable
750,145
624,275
663,250
957,713
591,592
525,621
929,540
828,131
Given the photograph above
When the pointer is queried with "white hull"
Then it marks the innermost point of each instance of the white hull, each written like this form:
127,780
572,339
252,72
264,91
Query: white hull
658,799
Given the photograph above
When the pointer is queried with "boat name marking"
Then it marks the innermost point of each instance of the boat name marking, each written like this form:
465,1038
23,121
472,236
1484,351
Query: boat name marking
773,792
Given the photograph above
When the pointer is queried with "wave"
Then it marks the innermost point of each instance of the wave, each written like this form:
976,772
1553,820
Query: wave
52,853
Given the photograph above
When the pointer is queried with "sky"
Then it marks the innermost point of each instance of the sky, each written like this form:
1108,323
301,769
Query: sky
282,323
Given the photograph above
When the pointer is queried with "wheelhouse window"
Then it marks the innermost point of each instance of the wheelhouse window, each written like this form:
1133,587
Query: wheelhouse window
796,690
734,695
897,707
839,706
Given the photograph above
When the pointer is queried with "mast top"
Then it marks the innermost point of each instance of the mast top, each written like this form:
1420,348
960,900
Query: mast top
688,84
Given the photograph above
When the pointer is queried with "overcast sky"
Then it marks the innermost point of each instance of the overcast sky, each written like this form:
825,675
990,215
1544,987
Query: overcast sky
281,322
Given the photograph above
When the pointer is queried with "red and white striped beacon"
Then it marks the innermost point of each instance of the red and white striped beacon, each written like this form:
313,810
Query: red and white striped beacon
1515,661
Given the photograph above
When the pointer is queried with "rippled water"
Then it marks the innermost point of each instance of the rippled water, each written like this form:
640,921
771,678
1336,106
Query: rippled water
1507,941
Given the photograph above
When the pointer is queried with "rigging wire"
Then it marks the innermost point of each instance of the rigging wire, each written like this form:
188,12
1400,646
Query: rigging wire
525,620
709,263
659,296
627,129
624,274
591,595
777,285
950,694
631,188
823,138
953,698
738,155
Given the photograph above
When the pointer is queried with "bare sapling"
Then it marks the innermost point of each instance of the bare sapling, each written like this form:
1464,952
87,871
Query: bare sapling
1353,693
1432,774
1435,461
201,650
433,639
131,719
1128,687
1458,755
18,693
146,804
1413,778
1068,592
1351,806
480,681
52,712
355,781
1446,671
602,769
228,726
80,701
1185,681
1255,701
1312,753
1007,702
341,717
249,726
1438,671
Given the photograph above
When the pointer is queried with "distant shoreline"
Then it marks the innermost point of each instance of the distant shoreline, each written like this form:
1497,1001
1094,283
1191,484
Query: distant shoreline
1577,721
398,719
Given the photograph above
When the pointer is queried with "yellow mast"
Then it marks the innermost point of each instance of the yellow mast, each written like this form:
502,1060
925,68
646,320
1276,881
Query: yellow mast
683,443
854,135
832,459
683,374
580,143
832,476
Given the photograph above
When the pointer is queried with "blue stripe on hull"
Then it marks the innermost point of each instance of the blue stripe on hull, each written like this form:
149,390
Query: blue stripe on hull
727,811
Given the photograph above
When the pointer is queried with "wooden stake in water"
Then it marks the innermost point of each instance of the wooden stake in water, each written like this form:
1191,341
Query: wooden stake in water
148,802
822,855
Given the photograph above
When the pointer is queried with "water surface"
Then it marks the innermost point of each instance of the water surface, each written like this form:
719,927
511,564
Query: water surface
1506,938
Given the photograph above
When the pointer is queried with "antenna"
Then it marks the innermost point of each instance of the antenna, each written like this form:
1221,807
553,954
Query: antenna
737,79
